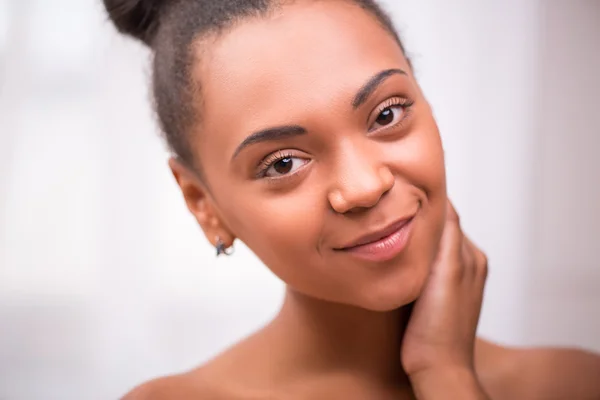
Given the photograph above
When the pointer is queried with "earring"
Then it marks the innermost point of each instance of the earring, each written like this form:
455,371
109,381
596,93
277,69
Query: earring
222,249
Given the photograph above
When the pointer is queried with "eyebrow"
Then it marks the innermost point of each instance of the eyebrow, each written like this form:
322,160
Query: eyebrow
372,84
269,134
287,131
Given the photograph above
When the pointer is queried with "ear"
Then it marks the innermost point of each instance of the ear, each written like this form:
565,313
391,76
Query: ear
200,203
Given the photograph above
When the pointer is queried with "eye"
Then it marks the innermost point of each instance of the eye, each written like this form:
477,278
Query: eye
280,165
391,113
388,117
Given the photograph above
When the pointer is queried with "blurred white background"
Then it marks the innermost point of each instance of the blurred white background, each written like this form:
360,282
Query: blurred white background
106,281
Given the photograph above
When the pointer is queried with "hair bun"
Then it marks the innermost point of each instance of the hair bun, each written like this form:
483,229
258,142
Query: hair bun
137,18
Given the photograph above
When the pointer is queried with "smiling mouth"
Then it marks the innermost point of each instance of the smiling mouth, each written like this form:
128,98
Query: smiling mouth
378,235
382,245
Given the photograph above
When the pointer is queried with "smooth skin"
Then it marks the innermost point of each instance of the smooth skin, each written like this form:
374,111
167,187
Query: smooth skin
315,132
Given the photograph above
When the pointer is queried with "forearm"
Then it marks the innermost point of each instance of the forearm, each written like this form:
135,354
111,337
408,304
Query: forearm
448,384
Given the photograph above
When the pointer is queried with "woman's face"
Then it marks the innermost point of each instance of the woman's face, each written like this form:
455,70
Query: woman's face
314,134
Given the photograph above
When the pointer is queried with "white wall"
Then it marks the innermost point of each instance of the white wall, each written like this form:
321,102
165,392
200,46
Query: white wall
564,279
106,281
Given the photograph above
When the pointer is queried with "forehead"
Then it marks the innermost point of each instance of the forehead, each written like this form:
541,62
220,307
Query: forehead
302,57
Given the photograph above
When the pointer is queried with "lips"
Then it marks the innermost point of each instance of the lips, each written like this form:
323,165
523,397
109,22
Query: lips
378,235
382,245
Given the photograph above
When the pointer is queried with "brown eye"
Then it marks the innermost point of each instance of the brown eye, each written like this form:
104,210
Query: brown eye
283,166
386,117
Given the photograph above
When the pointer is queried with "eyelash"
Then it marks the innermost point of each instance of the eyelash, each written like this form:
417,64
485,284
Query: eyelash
270,160
397,101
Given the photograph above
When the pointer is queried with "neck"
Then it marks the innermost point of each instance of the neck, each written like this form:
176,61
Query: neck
333,337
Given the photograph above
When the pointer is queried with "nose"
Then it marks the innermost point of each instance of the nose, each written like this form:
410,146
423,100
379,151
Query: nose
362,180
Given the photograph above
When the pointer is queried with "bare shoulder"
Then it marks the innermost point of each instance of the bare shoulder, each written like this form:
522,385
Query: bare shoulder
193,385
233,374
537,373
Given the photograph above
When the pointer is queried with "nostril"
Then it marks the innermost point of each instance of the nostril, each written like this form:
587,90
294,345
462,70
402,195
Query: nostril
360,189
344,202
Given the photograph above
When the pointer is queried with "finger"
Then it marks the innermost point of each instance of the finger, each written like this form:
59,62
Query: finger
468,257
449,263
452,238
480,260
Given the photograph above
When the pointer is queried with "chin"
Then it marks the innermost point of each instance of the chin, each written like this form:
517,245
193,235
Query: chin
392,294
386,304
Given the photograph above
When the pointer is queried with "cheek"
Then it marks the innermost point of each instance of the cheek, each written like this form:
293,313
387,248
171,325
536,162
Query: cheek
420,160
282,230
428,173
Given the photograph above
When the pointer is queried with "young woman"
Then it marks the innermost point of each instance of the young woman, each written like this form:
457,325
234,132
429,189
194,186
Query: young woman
298,128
